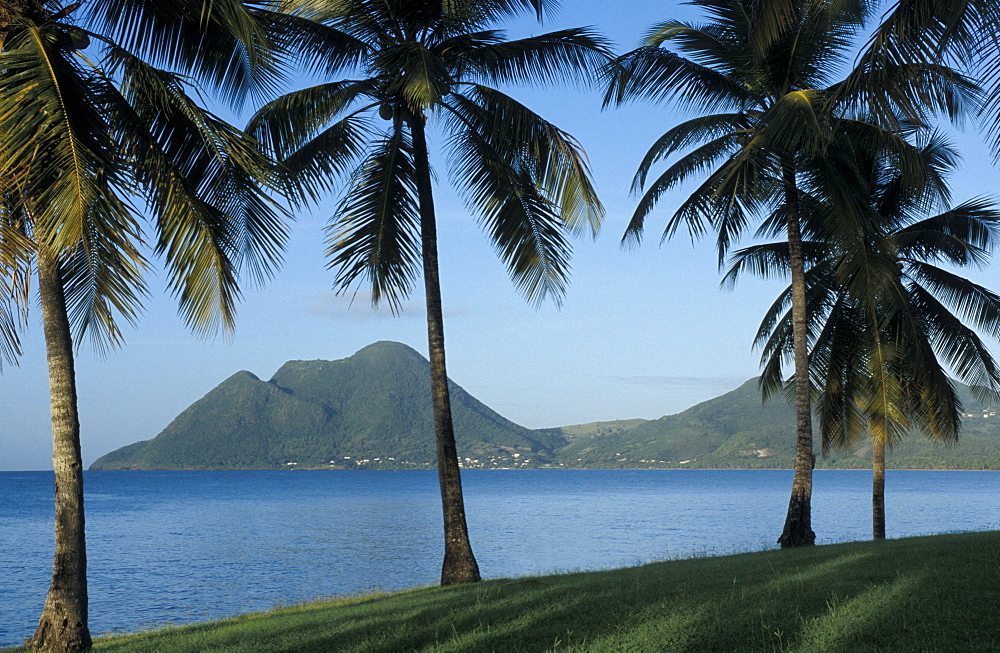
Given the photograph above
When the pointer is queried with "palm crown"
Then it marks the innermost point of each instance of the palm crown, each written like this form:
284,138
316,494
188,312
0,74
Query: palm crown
771,73
421,62
87,128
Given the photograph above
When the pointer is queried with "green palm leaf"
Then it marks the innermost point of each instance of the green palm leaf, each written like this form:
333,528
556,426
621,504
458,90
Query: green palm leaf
963,235
524,140
702,159
729,126
547,58
16,250
318,48
376,234
654,74
221,42
206,184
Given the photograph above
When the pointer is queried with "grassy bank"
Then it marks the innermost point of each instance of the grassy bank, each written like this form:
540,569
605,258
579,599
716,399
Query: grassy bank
937,593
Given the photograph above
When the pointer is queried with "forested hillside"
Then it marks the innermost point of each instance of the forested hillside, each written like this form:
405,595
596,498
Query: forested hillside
372,411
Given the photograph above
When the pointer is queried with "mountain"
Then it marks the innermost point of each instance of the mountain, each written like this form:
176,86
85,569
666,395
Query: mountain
712,433
371,409
736,430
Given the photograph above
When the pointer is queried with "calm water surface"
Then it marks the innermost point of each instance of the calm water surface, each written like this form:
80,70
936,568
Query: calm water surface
173,547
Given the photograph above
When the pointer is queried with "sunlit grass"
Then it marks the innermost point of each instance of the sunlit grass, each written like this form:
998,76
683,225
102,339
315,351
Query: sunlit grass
937,593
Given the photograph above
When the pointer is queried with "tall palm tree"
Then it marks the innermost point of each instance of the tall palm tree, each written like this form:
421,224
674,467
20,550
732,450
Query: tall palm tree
767,67
417,64
86,127
882,345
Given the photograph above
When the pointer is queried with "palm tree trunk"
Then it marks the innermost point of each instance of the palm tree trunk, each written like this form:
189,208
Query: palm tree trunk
878,488
798,521
63,624
459,563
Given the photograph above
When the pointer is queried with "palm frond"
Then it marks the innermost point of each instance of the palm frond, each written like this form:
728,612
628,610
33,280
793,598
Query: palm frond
823,37
570,54
963,235
375,232
718,45
224,43
837,363
314,143
972,301
793,123
657,75
314,168
289,122
102,280
769,260
54,148
206,184
69,188
552,159
523,203
318,48
701,159
704,129
957,344
424,61
737,190
914,92
16,251
421,78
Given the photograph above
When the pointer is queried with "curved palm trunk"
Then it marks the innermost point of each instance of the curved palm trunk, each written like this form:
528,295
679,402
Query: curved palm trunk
878,488
798,521
459,563
63,624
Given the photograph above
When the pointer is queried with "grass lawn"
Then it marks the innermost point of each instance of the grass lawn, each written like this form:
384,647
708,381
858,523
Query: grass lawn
938,593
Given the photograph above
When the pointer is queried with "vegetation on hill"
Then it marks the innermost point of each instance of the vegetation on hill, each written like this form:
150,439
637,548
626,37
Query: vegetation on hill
592,430
916,594
733,427
370,411
737,430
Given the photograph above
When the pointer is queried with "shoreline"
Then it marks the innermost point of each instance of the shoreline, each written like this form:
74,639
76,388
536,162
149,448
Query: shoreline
520,469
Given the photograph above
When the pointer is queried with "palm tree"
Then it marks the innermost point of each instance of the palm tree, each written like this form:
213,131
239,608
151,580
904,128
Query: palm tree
881,344
767,67
420,63
79,140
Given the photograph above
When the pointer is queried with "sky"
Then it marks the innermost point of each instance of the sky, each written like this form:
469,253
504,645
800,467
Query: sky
641,333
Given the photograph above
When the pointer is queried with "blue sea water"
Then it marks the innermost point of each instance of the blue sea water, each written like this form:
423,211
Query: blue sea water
175,547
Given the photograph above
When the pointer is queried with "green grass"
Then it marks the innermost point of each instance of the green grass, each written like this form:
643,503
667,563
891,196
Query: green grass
938,593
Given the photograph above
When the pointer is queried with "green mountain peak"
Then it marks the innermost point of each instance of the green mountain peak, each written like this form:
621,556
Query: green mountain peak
372,406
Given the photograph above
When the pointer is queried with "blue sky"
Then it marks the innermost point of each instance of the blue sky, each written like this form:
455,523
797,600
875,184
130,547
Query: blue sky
641,333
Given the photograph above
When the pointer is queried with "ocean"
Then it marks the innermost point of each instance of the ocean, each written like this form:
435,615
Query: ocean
176,547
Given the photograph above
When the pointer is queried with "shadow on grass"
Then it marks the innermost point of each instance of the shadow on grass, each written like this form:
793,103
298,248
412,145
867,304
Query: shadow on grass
936,593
